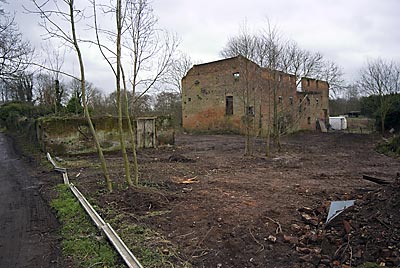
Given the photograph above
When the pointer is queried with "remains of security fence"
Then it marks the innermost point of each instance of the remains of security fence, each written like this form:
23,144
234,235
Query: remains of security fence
106,228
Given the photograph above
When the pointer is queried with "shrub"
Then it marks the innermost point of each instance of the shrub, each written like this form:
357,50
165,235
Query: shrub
390,147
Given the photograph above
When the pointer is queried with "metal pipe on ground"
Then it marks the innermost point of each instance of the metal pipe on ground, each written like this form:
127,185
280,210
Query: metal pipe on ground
106,228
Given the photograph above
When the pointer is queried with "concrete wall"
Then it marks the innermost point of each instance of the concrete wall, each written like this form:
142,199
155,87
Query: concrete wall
71,135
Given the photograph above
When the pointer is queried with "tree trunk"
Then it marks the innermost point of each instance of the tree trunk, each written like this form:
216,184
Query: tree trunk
267,141
247,148
85,107
383,113
278,138
131,133
119,104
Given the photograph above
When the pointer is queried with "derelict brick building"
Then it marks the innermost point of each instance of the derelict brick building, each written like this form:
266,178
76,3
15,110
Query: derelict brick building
221,96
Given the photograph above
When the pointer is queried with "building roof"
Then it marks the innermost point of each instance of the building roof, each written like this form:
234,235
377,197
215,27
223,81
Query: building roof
221,60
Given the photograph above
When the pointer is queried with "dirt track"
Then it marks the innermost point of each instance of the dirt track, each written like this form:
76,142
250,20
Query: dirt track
27,226
220,208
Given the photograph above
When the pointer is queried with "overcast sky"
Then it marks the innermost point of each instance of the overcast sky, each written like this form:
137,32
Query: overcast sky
347,32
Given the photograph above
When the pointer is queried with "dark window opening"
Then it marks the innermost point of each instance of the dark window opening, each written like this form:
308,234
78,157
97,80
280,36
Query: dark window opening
316,83
280,99
308,101
250,110
291,100
308,82
229,105
317,100
189,99
309,120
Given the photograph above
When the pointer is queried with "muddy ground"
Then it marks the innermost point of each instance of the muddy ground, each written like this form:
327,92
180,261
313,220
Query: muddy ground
28,228
222,209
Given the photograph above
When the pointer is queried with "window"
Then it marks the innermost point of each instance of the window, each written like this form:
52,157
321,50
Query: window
189,99
280,99
250,110
316,83
236,75
309,120
317,100
229,105
308,82
291,100
308,100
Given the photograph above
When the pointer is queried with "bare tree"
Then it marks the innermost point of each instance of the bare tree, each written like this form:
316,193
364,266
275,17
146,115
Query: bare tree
70,15
332,74
268,49
151,51
94,96
245,44
179,67
49,91
381,78
273,49
19,88
108,55
119,22
300,62
265,49
55,60
43,92
15,53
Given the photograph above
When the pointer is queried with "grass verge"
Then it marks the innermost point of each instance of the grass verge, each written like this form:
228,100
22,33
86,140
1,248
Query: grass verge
391,147
82,243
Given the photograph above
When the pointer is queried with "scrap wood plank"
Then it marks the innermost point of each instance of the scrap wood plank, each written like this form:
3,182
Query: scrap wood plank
185,180
322,126
376,180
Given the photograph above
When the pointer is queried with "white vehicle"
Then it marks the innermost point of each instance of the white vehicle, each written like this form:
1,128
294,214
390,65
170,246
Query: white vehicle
338,122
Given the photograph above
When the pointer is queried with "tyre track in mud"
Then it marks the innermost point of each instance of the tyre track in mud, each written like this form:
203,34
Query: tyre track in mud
27,225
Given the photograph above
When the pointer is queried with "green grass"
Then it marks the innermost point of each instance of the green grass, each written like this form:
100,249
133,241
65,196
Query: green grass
152,249
369,265
391,147
82,242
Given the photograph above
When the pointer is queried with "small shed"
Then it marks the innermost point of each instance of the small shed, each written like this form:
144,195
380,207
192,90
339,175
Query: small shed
146,132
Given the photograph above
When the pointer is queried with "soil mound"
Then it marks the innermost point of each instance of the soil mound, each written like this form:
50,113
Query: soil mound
180,158
368,232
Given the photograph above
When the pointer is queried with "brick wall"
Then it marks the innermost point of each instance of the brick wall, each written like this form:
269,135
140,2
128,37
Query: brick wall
207,86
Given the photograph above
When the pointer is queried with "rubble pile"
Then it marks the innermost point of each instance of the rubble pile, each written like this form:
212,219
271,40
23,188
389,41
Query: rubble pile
368,232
